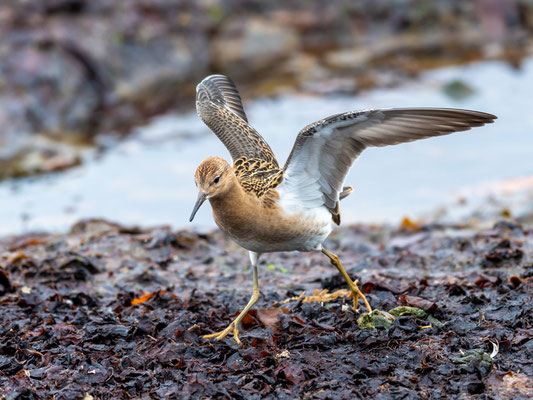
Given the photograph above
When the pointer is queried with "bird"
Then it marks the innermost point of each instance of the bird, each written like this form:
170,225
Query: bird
266,208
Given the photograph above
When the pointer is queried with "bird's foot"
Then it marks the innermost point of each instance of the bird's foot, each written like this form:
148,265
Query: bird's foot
356,295
234,326
222,334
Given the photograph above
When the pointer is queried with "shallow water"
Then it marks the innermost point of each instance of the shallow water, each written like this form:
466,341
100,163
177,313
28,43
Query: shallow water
148,179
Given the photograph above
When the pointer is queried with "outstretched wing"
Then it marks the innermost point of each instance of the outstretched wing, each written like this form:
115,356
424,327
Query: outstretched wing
325,150
219,105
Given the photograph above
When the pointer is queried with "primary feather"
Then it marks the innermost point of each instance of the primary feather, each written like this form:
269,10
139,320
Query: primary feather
325,150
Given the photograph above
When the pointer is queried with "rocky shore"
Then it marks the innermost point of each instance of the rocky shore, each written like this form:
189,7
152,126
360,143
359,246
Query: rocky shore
73,69
108,311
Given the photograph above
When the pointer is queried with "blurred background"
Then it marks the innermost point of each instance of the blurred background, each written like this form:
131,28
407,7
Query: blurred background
97,102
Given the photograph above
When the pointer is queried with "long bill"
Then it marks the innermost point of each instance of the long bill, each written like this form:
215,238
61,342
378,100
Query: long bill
199,201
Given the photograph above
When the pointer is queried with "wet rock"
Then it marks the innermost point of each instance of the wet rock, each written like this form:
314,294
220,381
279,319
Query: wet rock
458,90
51,87
349,59
99,333
36,161
475,387
420,303
9,366
253,45
501,252
5,283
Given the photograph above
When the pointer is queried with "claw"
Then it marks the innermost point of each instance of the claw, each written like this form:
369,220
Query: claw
356,293
355,296
235,323
222,334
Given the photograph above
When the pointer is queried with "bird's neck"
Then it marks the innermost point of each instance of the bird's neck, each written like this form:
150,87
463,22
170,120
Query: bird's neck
231,201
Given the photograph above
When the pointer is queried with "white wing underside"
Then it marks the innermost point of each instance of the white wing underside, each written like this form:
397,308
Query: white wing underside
325,150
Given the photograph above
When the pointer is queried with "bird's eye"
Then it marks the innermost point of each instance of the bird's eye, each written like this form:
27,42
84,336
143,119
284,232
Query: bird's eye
217,179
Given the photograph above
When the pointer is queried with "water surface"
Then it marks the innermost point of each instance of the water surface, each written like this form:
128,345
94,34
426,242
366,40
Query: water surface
148,179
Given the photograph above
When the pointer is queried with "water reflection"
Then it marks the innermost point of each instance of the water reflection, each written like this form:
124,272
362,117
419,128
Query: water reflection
148,178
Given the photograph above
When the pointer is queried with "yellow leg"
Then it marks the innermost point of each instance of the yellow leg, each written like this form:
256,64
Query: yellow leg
356,293
234,326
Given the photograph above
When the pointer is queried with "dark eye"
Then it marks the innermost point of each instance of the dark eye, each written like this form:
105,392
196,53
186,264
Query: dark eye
217,179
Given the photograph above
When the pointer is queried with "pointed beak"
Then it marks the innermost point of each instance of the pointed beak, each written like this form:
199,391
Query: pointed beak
199,201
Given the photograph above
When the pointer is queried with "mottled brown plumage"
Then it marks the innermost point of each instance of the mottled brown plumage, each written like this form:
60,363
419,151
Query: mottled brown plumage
259,177
219,105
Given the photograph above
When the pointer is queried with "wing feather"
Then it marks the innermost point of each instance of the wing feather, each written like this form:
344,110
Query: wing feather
219,105
325,150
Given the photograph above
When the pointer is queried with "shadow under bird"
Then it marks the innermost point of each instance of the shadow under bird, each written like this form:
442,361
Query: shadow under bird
265,208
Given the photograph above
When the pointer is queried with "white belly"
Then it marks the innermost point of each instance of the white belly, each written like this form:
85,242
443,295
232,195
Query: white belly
310,242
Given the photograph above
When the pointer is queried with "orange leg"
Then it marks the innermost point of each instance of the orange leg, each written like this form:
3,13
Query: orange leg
234,326
356,293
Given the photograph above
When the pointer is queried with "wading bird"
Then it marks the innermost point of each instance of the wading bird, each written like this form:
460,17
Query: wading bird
265,208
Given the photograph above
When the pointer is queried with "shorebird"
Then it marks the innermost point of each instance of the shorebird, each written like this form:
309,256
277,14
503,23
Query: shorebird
265,208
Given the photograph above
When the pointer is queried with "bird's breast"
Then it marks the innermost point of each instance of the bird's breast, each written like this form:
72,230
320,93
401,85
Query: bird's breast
263,229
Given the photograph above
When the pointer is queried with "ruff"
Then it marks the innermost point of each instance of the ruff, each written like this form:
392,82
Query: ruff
265,208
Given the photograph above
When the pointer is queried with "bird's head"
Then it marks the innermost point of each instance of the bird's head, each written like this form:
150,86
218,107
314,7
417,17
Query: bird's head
212,178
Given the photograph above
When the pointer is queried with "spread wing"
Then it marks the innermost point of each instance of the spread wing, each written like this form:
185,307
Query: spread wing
325,150
219,105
